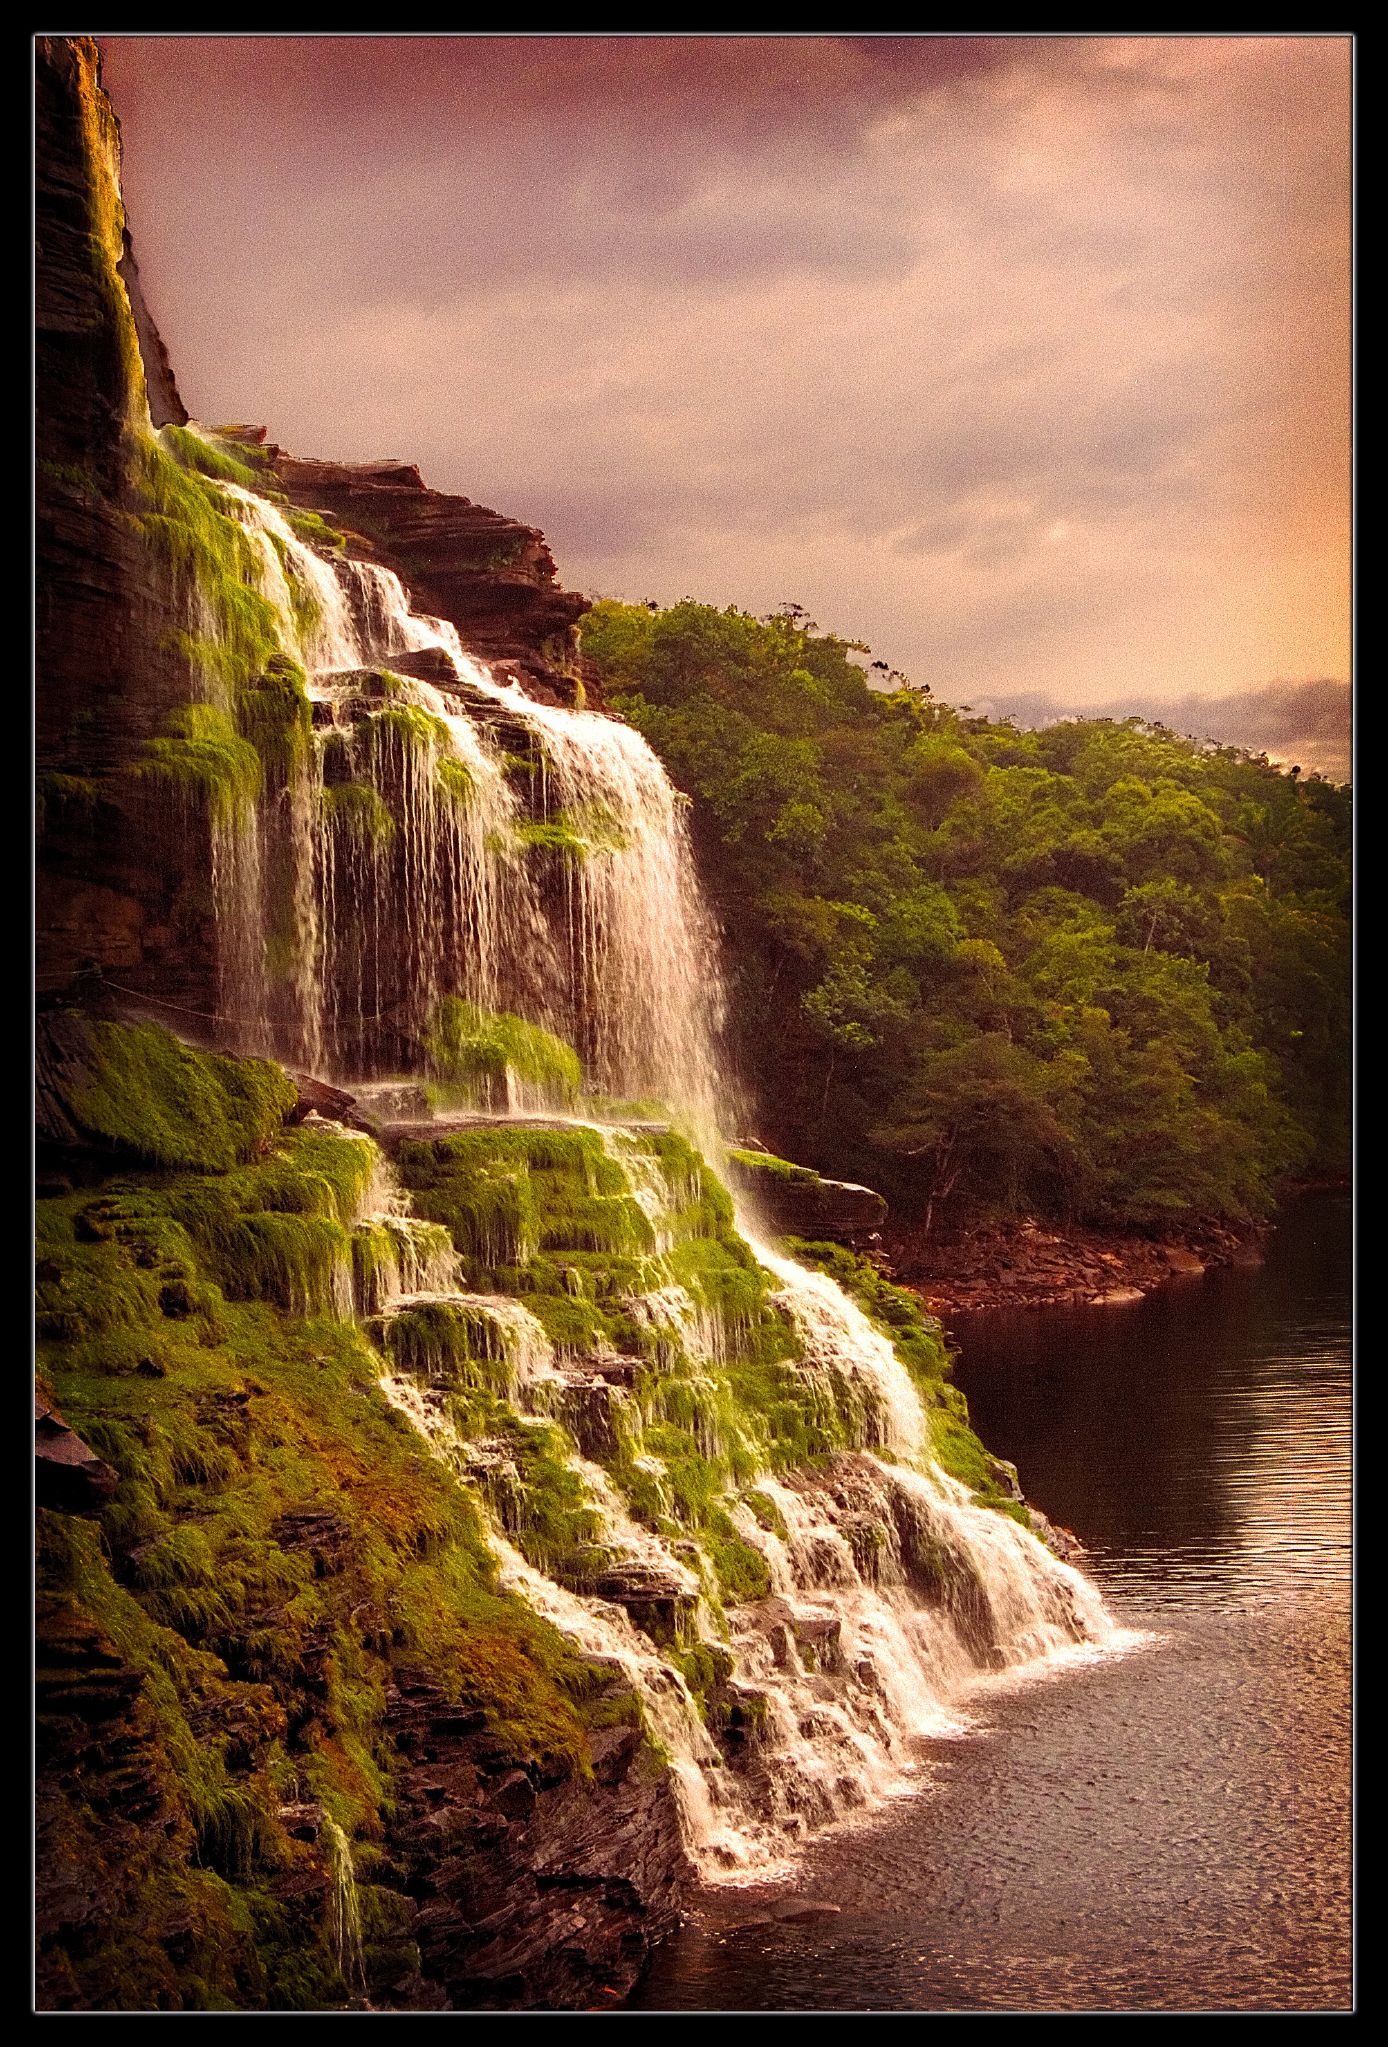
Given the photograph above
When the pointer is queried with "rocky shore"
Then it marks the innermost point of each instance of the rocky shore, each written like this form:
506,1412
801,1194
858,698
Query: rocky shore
1036,1265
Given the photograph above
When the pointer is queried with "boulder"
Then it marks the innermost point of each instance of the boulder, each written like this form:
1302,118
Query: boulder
67,1474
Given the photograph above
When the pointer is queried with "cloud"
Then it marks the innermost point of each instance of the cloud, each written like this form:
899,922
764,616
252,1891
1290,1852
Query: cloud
1023,357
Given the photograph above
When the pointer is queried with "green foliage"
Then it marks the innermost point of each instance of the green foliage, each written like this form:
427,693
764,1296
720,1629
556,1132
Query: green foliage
209,456
209,555
1098,971
574,835
455,778
358,810
313,528
409,728
276,717
774,1168
482,1052
916,1337
279,1546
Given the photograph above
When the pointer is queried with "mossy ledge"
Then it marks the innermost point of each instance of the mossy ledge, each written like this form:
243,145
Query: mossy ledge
232,1652
290,1602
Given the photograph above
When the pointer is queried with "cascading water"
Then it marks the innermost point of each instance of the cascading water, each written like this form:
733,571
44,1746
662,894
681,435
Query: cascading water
892,1592
448,835
410,865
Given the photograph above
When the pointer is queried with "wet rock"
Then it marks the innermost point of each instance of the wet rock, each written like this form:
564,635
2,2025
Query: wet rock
1060,1541
302,1819
382,1102
514,1795
317,1532
493,577
660,1605
316,1097
1005,1477
589,1407
67,1474
797,1202
537,1889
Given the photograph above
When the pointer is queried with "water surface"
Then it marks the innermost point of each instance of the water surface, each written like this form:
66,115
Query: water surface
1165,1830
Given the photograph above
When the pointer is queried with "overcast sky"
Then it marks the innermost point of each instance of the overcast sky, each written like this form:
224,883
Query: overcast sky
1025,360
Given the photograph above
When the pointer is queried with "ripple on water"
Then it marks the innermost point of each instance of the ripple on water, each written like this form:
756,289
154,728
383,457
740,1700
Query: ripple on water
1166,1828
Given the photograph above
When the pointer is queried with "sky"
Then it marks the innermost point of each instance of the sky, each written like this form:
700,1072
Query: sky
1026,361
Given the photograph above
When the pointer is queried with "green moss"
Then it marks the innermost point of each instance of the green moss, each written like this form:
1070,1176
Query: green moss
957,1450
768,1513
450,1341
209,555
265,1655
63,797
358,810
408,728
275,716
704,1666
146,1093
313,529
774,1168
741,1571
916,1336
575,835
304,606
209,456
73,475
482,1052
204,758
300,1262
455,779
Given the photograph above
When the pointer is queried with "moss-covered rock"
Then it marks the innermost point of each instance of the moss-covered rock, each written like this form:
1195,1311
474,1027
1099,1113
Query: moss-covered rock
138,1090
280,1556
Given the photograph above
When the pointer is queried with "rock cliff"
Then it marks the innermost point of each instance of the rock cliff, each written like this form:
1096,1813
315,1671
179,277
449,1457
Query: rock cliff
453,1524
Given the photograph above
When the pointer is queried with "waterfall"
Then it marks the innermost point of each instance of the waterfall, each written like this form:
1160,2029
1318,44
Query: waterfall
445,835
842,1344
891,1593
344,1911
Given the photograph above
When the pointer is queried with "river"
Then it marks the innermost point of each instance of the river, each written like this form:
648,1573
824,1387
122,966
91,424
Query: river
1163,1829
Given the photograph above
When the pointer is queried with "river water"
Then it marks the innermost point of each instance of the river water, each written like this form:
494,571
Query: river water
1165,1829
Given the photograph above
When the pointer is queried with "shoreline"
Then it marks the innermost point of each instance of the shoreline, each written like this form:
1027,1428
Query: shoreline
1035,1265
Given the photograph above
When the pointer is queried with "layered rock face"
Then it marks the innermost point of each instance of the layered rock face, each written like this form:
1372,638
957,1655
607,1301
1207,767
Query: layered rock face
798,1202
490,576
113,890
124,887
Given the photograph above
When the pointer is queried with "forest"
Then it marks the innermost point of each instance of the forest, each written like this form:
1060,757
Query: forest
1098,973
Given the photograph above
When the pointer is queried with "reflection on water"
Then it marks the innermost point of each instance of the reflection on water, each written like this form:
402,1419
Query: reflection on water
1197,1441
1165,1831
